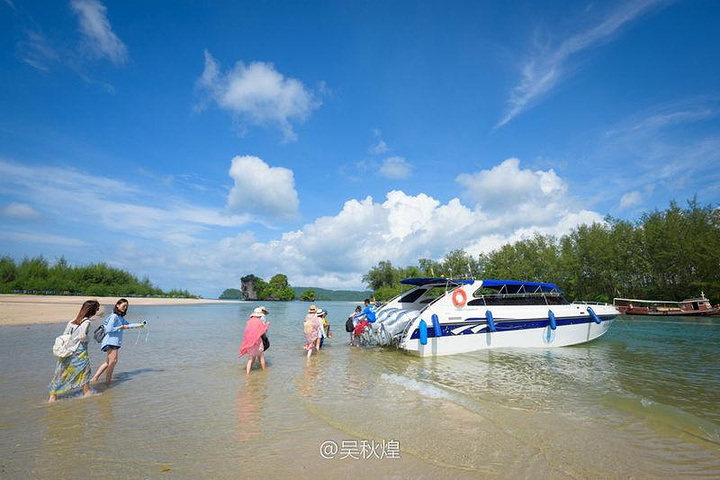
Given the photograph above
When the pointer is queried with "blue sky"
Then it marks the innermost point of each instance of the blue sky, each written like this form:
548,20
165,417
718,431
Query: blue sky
196,142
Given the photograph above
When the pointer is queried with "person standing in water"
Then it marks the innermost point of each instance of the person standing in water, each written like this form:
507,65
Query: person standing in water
311,328
74,371
252,343
114,325
352,322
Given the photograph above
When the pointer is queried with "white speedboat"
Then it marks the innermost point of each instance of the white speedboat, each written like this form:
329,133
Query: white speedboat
440,316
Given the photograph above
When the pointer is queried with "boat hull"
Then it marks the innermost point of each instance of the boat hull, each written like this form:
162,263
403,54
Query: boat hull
469,337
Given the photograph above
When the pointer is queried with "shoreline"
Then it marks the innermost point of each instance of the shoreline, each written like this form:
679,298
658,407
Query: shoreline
38,309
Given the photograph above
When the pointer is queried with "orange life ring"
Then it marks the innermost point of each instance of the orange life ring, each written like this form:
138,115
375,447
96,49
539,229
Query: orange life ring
459,302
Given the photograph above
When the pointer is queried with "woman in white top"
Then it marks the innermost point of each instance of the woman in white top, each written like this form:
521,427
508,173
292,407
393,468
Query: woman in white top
74,371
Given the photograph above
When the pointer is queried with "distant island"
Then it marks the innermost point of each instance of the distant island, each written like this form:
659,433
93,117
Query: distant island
254,288
323,294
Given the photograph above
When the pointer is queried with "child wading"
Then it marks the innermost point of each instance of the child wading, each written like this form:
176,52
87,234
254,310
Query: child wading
73,371
252,343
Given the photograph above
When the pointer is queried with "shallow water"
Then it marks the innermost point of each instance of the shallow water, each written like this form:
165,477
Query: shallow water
639,402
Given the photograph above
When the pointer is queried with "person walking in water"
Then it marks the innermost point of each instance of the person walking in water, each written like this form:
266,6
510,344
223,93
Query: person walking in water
114,325
311,328
352,322
73,371
252,343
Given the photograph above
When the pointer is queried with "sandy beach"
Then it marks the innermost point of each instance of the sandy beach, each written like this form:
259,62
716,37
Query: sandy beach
33,309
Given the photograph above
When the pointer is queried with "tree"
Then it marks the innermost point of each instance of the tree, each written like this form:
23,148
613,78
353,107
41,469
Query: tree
279,289
36,275
459,264
308,295
382,275
672,254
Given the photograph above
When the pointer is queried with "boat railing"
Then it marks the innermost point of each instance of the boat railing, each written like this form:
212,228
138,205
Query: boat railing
519,295
549,298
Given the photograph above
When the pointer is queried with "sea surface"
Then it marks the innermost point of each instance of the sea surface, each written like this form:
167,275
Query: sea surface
643,401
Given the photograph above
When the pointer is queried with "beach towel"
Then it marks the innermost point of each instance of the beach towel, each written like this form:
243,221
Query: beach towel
253,331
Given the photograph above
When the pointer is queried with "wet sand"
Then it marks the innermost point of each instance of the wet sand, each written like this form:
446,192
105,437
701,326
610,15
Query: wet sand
34,309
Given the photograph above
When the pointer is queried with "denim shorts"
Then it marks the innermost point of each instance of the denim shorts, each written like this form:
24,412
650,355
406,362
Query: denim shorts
110,347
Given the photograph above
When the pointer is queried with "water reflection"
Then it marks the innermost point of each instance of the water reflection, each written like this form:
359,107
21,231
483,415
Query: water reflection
308,381
251,398
67,440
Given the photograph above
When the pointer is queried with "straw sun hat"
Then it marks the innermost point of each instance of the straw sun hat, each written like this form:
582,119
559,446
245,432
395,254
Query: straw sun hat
259,312
312,309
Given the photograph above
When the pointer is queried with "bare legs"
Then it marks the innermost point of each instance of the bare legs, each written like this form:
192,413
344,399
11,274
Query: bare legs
109,365
250,363
86,393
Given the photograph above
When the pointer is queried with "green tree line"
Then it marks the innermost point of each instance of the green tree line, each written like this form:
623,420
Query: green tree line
668,255
36,275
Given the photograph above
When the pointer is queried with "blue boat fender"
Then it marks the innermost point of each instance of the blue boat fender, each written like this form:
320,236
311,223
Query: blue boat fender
553,322
490,321
594,316
436,325
423,332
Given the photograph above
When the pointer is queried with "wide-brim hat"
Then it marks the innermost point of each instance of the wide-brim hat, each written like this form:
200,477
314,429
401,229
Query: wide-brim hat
258,312
312,308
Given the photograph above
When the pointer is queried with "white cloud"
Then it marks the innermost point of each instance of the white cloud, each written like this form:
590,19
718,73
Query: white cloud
42,238
507,188
547,67
98,37
630,199
661,155
19,210
37,52
335,251
262,190
183,245
380,147
80,197
667,115
396,168
257,94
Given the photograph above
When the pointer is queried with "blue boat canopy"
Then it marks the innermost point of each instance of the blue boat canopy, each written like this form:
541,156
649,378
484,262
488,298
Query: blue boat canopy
502,286
439,280
514,286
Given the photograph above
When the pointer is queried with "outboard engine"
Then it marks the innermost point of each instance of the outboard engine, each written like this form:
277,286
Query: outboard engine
390,325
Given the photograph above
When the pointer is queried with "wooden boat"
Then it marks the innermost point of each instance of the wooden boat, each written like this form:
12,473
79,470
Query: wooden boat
689,307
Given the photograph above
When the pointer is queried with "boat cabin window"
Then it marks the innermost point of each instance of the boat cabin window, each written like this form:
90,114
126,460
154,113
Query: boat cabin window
484,291
518,300
412,296
434,293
